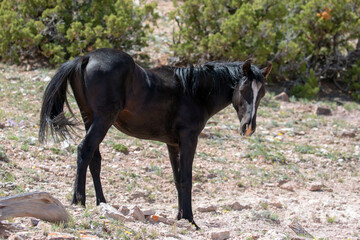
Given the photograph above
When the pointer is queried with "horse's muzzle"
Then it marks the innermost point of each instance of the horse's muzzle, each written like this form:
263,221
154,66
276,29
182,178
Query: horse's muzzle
247,130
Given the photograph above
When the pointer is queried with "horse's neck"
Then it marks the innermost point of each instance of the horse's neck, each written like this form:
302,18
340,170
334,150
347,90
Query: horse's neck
219,100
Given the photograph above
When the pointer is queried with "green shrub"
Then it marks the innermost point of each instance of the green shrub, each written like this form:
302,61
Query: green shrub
296,36
121,148
308,90
352,78
61,29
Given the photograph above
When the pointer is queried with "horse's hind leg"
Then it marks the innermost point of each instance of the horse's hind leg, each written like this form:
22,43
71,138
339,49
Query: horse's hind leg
95,169
88,153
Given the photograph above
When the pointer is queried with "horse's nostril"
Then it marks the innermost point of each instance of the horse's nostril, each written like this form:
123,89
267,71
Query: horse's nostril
244,127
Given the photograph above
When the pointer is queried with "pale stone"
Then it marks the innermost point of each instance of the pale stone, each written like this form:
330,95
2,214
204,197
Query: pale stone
220,235
276,204
158,219
137,214
111,212
290,186
210,208
316,187
125,210
350,134
282,97
60,236
148,212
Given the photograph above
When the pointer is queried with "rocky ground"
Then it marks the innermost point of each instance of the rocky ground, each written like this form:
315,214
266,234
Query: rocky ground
297,177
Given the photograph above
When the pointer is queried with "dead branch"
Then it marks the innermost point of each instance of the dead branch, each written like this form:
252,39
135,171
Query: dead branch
38,204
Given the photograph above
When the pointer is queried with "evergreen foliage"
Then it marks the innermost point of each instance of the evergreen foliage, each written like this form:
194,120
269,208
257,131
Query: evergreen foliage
305,39
61,29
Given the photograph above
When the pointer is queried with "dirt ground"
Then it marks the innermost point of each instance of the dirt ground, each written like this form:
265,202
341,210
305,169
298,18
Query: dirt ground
299,168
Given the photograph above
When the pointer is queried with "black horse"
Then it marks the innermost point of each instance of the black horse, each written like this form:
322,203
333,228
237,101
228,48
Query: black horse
167,104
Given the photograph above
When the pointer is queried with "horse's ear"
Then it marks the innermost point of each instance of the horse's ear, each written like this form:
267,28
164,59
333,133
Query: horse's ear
266,71
246,67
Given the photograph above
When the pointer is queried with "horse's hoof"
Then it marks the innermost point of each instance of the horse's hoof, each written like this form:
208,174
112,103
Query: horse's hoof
100,201
77,200
195,225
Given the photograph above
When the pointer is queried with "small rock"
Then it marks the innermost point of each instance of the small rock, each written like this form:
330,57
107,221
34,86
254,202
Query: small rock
47,79
299,133
88,237
290,186
125,210
36,78
282,181
316,187
323,111
34,222
137,195
211,208
60,236
220,235
115,205
111,212
350,134
137,214
157,219
237,206
211,175
276,204
282,97
148,212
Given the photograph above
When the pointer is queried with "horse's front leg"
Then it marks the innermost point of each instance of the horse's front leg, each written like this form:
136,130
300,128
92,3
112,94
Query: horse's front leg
187,151
174,154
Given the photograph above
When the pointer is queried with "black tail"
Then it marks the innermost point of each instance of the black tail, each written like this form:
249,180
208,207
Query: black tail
52,114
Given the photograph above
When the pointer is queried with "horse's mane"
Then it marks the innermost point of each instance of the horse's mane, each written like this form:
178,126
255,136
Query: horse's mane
209,77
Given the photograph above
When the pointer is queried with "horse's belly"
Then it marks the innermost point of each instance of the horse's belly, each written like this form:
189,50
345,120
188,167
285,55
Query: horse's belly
145,127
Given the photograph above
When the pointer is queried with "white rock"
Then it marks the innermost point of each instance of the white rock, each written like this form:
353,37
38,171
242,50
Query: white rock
47,79
60,236
111,212
149,212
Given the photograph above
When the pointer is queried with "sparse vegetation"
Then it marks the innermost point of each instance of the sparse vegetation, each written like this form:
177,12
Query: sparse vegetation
121,148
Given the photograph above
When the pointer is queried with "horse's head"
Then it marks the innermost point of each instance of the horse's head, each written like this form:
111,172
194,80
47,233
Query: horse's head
247,95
